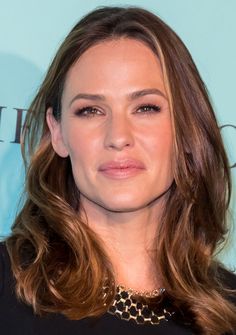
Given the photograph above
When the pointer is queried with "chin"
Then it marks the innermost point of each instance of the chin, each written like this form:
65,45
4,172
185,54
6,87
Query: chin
121,209
125,206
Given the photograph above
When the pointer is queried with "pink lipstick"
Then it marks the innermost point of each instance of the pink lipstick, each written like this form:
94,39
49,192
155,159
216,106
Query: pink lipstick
122,168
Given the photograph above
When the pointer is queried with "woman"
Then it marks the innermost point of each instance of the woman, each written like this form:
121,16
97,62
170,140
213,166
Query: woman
127,189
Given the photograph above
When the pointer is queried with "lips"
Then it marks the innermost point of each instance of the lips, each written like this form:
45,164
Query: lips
121,169
121,165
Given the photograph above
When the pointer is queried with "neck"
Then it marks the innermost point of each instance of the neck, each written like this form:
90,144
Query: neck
129,239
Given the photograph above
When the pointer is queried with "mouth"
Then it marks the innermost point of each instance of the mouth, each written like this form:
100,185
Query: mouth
121,169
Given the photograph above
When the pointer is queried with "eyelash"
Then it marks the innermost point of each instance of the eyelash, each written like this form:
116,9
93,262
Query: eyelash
151,109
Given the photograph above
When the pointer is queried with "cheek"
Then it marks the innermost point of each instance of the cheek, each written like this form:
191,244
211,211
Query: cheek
82,146
160,142
161,156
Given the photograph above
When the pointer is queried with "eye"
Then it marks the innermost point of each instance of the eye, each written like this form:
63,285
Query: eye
87,111
147,109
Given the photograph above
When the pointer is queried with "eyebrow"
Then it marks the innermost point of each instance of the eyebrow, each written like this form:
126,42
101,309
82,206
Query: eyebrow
131,96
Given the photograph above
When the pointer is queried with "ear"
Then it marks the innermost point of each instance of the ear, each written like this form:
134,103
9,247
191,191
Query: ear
56,134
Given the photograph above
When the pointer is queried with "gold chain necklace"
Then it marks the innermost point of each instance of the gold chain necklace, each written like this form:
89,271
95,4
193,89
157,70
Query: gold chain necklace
127,306
146,294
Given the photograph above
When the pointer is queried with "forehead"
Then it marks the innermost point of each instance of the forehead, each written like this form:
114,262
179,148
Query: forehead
115,64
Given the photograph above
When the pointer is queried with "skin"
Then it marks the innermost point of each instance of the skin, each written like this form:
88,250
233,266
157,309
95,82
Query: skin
123,212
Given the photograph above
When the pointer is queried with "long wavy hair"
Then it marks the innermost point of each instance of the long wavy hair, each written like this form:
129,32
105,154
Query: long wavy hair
59,263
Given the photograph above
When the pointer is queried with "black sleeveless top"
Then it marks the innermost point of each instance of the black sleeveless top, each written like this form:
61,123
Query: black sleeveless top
18,318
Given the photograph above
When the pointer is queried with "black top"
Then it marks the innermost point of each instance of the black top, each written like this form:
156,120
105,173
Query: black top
18,318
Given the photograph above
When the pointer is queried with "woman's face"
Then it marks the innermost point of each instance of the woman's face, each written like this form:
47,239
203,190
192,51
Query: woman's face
116,126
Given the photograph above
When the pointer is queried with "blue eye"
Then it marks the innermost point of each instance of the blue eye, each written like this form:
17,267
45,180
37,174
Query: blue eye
87,112
149,109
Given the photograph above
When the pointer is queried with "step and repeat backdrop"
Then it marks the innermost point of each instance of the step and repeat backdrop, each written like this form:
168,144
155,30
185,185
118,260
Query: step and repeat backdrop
32,30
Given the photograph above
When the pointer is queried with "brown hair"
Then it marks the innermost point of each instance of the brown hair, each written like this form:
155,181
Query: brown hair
59,263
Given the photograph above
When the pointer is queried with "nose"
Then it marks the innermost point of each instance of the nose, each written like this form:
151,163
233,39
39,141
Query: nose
119,133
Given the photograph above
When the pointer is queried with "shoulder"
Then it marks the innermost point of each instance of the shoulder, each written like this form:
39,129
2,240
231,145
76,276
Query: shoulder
2,266
227,279
5,267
